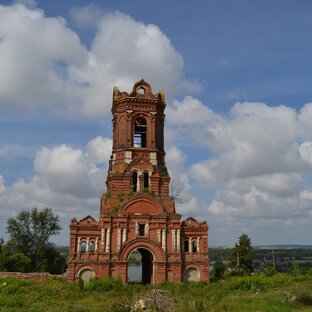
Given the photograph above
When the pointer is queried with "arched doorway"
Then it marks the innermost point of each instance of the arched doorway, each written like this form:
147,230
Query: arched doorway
140,266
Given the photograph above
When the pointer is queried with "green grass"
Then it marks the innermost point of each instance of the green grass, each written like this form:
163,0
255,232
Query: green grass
280,293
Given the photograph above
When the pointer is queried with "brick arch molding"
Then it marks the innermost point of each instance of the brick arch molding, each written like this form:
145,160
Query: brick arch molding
146,243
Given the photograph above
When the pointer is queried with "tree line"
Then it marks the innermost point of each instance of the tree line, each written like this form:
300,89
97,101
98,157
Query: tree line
243,259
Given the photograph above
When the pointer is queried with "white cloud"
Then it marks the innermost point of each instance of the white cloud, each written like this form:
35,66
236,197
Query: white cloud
252,162
86,16
99,150
14,150
306,194
27,3
305,151
2,184
189,112
33,67
65,170
66,179
304,122
254,139
53,70
121,53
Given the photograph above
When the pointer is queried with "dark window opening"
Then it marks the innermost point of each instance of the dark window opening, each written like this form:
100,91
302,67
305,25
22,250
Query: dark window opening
134,181
141,229
83,247
140,132
194,246
186,246
91,246
145,181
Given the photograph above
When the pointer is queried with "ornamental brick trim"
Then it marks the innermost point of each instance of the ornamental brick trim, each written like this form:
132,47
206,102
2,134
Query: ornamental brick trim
143,198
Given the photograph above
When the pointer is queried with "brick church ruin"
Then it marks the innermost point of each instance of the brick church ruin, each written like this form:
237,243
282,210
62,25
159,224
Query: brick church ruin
137,214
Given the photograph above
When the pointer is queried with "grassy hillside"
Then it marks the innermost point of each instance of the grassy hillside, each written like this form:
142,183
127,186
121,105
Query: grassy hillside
280,293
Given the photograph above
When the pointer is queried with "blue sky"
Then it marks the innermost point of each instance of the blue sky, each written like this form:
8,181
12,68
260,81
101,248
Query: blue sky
237,78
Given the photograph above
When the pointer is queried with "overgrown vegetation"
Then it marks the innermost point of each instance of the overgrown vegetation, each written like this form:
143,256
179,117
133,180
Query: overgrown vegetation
280,292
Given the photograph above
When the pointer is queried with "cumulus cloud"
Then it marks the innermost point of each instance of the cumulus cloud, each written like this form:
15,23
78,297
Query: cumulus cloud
44,64
28,3
65,170
180,188
34,53
99,150
66,179
252,139
253,162
304,122
305,151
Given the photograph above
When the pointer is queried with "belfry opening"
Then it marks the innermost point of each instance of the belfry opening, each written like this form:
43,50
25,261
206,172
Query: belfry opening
137,214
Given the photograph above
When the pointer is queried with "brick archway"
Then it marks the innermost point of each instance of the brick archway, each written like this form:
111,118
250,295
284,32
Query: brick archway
146,266
155,269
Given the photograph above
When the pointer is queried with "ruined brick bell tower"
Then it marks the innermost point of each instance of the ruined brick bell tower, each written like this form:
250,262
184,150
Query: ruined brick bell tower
137,213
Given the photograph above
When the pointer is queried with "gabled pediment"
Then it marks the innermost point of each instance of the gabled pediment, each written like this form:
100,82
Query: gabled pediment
142,89
191,222
88,220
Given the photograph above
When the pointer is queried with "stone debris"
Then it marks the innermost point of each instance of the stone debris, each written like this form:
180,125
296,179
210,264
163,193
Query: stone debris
155,299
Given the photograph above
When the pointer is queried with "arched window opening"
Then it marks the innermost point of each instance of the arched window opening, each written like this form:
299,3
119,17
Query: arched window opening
83,247
186,246
86,275
140,132
145,181
191,275
91,247
134,181
141,90
194,246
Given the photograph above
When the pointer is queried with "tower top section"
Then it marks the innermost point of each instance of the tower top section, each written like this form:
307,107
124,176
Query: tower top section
138,118
138,156
141,92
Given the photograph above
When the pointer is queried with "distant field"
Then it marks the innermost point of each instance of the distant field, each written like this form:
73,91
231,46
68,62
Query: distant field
279,293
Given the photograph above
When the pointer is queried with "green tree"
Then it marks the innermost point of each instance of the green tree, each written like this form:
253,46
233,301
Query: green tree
218,269
241,256
295,269
30,233
18,262
2,254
